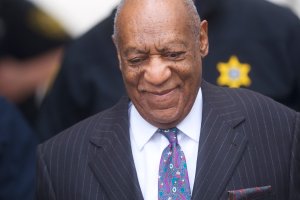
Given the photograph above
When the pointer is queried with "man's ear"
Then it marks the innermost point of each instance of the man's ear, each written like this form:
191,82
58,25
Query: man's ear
204,45
117,49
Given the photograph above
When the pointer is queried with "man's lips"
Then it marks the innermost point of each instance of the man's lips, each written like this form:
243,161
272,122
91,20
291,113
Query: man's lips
161,92
166,97
161,99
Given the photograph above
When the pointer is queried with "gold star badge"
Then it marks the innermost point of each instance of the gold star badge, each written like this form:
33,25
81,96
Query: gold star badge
233,73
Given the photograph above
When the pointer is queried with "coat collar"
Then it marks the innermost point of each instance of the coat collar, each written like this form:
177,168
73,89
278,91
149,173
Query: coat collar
111,159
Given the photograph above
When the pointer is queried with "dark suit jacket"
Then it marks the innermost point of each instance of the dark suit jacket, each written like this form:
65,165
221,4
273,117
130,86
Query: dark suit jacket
247,140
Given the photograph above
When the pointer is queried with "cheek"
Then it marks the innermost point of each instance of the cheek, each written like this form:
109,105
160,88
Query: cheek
190,71
131,77
197,67
191,79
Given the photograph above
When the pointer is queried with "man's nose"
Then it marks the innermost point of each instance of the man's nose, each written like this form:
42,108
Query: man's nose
157,72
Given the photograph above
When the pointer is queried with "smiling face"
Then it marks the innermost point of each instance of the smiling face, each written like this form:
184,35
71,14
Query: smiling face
160,59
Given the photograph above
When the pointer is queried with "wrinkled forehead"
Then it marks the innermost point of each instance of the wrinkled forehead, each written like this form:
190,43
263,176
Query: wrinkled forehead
147,19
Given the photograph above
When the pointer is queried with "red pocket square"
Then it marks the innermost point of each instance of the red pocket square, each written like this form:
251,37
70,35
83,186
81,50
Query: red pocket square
249,193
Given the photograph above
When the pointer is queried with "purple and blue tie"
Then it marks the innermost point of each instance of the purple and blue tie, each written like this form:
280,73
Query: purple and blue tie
173,180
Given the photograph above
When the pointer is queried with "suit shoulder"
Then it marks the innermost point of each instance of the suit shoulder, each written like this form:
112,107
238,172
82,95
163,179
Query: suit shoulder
260,106
65,138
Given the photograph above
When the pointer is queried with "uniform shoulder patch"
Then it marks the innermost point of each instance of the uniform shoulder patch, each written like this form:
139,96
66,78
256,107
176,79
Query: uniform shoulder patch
234,74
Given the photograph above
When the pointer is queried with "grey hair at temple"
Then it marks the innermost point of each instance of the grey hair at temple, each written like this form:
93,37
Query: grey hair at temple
190,9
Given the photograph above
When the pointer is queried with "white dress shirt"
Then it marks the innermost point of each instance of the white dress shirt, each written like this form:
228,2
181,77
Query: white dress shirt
148,145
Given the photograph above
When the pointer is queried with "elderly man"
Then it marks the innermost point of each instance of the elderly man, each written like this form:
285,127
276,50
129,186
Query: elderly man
89,80
176,136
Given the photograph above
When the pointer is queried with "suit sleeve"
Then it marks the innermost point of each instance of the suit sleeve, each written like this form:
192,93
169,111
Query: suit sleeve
44,187
295,163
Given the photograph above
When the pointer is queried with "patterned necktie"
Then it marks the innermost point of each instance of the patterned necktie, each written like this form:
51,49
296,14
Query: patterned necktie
173,181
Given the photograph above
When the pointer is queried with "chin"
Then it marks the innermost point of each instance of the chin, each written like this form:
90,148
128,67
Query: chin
164,120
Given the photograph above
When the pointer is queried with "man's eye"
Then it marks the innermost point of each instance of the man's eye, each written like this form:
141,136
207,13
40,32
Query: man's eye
175,55
136,60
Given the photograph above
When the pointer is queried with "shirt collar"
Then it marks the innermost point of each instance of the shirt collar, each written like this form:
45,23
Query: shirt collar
190,125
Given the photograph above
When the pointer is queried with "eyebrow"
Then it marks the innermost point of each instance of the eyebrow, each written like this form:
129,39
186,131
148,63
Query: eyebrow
134,50
170,46
177,42
167,47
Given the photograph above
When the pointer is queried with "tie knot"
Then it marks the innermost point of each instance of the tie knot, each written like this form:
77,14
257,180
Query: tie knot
170,134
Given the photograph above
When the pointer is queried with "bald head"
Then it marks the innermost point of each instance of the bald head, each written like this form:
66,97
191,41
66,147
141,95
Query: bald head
149,11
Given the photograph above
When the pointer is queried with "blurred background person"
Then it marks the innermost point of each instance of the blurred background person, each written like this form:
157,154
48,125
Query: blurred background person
256,50
17,155
31,47
89,80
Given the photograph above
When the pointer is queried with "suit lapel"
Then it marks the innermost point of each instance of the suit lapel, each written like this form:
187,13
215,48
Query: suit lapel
222,143
111,155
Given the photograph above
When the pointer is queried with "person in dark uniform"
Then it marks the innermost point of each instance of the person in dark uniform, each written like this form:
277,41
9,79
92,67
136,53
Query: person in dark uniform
254,44
31,46
17,155
88,81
